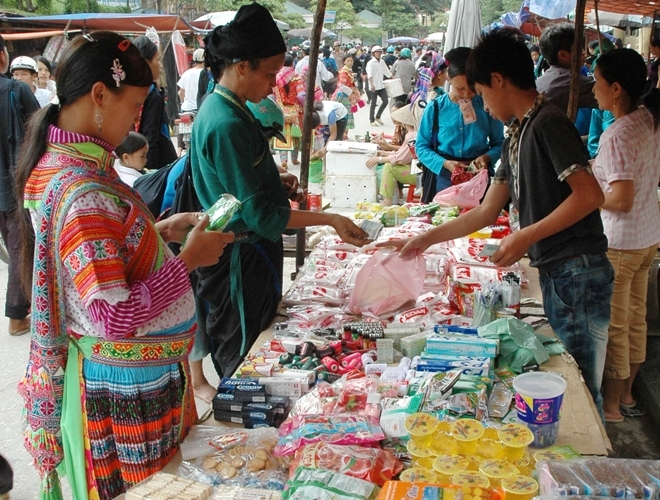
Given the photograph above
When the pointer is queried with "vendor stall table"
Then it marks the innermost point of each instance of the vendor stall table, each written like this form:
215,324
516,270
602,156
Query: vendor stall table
580,426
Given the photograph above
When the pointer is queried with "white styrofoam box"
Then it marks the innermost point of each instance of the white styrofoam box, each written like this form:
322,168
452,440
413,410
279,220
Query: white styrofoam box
347,190
349,158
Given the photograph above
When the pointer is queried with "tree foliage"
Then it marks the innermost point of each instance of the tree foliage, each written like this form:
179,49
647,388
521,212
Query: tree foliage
345,14
492,10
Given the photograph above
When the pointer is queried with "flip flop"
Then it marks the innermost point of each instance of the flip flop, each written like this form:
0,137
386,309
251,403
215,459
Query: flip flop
631,412
18,333
614,420
629,406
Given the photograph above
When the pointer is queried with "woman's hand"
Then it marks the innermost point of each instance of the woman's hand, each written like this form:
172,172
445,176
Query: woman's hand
482,161
349,232
174,228
418,243
452,164
204,248
373,161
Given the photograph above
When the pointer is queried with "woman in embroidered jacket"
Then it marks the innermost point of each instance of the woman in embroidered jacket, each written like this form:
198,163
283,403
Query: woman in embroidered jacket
107,391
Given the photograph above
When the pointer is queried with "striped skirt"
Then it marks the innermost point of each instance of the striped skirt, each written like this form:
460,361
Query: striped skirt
135,415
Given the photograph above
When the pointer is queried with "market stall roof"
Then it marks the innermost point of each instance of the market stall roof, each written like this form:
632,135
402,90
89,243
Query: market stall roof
637,7
131,23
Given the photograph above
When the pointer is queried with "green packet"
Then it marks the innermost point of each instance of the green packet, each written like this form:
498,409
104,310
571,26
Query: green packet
317,484
220,214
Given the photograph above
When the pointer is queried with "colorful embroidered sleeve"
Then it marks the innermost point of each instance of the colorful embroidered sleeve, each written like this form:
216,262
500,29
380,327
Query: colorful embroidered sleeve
147,299
94,245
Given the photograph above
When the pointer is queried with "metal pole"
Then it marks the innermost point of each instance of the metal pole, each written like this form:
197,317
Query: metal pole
600,45
306,142
576,59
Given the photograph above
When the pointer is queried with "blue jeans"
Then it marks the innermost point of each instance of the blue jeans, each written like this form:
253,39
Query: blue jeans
576,297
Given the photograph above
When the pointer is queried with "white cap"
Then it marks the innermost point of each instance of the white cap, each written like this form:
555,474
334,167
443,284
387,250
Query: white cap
198,55
24,62
376,48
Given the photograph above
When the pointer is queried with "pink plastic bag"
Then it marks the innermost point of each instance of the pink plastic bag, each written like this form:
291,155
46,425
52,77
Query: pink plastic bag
388,282
466,195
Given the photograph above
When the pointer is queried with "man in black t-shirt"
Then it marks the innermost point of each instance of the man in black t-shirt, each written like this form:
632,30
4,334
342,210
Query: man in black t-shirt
545,172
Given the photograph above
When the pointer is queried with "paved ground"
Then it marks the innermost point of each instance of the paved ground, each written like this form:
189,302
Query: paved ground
636,438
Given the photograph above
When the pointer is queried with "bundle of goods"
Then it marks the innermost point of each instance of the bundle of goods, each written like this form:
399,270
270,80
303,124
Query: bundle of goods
600,477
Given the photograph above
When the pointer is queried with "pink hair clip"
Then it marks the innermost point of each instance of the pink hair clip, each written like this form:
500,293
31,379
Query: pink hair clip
118,73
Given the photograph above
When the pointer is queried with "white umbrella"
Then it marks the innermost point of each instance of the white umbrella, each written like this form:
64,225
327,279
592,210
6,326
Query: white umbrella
464,27
226,16
435,37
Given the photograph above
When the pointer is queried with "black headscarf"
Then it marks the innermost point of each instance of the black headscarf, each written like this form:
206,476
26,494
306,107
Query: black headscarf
252,34
146,47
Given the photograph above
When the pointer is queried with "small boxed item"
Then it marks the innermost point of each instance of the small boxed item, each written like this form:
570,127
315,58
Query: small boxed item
162,486
413,345
462,345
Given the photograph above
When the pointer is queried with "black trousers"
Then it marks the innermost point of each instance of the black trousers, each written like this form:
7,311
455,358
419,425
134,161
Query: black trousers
382,93
17,305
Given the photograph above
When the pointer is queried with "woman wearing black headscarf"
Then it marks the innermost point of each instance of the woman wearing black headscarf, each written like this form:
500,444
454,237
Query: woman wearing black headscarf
153,119
230,154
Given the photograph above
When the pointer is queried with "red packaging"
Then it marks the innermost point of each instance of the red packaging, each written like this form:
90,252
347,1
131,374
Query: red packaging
314,202
371,464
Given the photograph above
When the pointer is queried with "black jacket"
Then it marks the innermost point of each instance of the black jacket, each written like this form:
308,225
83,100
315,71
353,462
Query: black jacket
12,130
152,122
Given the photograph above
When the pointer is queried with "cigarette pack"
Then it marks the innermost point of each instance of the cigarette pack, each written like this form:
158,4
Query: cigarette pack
305,376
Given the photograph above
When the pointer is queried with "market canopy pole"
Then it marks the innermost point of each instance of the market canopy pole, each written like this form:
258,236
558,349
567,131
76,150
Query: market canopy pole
306,143
576,59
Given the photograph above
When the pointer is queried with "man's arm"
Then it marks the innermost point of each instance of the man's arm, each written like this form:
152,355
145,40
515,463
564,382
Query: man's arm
586,196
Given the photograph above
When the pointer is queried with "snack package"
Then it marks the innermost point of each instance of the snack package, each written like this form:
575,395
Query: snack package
371,464
168,487
250,464
308,483
333,429
402,490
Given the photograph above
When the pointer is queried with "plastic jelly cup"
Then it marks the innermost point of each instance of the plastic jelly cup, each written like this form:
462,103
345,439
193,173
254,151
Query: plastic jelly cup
548,455
418,474
442,442
516,438
496,470
421,455
421,425
467,433
470,479
490,444
520,488
539,396
446,466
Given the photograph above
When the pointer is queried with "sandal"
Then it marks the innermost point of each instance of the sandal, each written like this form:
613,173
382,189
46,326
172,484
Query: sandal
614,420
629,405
631,412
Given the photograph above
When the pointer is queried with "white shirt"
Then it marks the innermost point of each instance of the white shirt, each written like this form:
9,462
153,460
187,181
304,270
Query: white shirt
127,174
322,73
43,96
332,112
189,82
376,69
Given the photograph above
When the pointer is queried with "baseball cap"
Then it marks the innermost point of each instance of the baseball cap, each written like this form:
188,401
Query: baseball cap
24,62
198,55
376,48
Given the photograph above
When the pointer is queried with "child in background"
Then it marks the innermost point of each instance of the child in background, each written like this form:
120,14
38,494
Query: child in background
131,157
